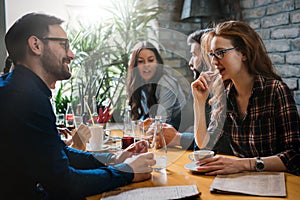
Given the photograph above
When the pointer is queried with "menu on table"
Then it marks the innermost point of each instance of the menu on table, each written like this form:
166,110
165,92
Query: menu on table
158,193
251,183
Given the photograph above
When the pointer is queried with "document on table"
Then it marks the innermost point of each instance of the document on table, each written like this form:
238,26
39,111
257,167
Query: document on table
157,193
251,183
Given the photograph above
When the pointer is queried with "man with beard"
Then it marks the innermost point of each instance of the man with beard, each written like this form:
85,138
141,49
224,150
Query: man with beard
197,65
36,163
185,136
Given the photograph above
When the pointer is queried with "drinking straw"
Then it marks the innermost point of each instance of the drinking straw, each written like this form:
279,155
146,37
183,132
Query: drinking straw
91,116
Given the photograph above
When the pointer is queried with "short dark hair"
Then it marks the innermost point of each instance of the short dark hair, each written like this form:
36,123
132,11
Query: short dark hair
196,36
8,64
28,25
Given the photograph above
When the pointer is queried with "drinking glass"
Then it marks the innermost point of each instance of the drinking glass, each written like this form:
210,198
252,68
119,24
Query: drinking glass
158,145
60,120
116,134
138,130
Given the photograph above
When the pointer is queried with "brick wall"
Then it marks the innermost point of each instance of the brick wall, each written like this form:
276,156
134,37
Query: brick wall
277,22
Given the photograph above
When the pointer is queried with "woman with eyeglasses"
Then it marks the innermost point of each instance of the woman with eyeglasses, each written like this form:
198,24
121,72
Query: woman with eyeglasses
262,121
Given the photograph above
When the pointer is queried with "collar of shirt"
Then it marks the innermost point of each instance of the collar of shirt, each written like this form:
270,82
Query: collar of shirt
21,72
258,87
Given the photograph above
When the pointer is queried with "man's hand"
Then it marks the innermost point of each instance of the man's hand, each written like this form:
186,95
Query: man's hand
147,123
81,137
134,149
172,136
64,131
141,166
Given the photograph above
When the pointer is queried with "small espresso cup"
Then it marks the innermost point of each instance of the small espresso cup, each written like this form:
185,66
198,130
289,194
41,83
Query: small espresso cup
200,154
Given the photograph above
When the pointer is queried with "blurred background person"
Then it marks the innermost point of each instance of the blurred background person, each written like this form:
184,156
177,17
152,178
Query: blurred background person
151,87
185,139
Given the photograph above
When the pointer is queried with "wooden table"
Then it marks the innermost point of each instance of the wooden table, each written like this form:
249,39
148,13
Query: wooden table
176,174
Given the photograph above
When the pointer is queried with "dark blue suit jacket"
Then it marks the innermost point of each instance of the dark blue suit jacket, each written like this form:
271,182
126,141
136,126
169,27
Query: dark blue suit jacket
35,163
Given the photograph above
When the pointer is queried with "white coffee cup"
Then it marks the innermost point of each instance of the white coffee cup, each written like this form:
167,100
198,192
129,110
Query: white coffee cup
97,140
200,154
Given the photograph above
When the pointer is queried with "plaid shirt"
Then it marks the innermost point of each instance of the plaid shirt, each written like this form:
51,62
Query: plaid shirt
270,126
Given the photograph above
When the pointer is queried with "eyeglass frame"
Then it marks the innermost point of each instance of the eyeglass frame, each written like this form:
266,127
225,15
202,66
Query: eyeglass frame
220,52
65,40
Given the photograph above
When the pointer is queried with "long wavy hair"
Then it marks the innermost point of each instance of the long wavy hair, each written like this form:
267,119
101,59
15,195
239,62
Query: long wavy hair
247,42
135,83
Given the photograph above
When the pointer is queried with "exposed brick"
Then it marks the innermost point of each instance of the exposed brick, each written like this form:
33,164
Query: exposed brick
173,63
164,34
255,24
285,33
165,15
288,70
265,34
265,2
275,20
295,44
277,45
291,82
297,99
297,4
295,16
254,13
277,58
293,58
281,6
247,3
182,71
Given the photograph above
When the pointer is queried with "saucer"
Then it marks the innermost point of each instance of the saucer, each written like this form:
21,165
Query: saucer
193,168
104,148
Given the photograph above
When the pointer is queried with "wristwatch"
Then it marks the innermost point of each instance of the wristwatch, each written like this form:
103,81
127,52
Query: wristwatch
259,164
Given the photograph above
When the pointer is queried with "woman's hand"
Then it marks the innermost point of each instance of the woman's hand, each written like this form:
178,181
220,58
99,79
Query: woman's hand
201,86
222,165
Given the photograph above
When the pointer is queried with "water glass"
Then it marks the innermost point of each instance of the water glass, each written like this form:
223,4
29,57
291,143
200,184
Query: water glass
138,130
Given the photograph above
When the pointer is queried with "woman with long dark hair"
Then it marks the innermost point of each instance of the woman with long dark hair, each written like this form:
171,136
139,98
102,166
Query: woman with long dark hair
151,88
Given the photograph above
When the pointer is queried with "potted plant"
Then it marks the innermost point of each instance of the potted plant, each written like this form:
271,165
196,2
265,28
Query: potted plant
102,52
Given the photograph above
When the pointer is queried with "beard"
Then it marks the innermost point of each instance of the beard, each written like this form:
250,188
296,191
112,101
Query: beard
54,67
197,71
196,74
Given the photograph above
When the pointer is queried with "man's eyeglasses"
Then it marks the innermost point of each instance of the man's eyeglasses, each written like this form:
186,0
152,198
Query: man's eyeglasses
64,42
220,54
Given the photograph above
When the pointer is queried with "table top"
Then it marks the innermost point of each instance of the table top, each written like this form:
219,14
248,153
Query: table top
176,174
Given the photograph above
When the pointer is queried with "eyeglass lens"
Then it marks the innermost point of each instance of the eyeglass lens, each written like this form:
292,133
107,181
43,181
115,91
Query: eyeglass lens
64,41
220,54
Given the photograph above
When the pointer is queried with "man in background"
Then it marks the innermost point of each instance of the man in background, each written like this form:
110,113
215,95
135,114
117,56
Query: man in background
185,136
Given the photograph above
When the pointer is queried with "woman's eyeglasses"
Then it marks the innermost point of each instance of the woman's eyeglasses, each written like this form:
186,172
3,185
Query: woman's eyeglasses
220,54
64,42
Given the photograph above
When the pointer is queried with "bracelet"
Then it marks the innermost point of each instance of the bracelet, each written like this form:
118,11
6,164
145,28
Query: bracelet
250,164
